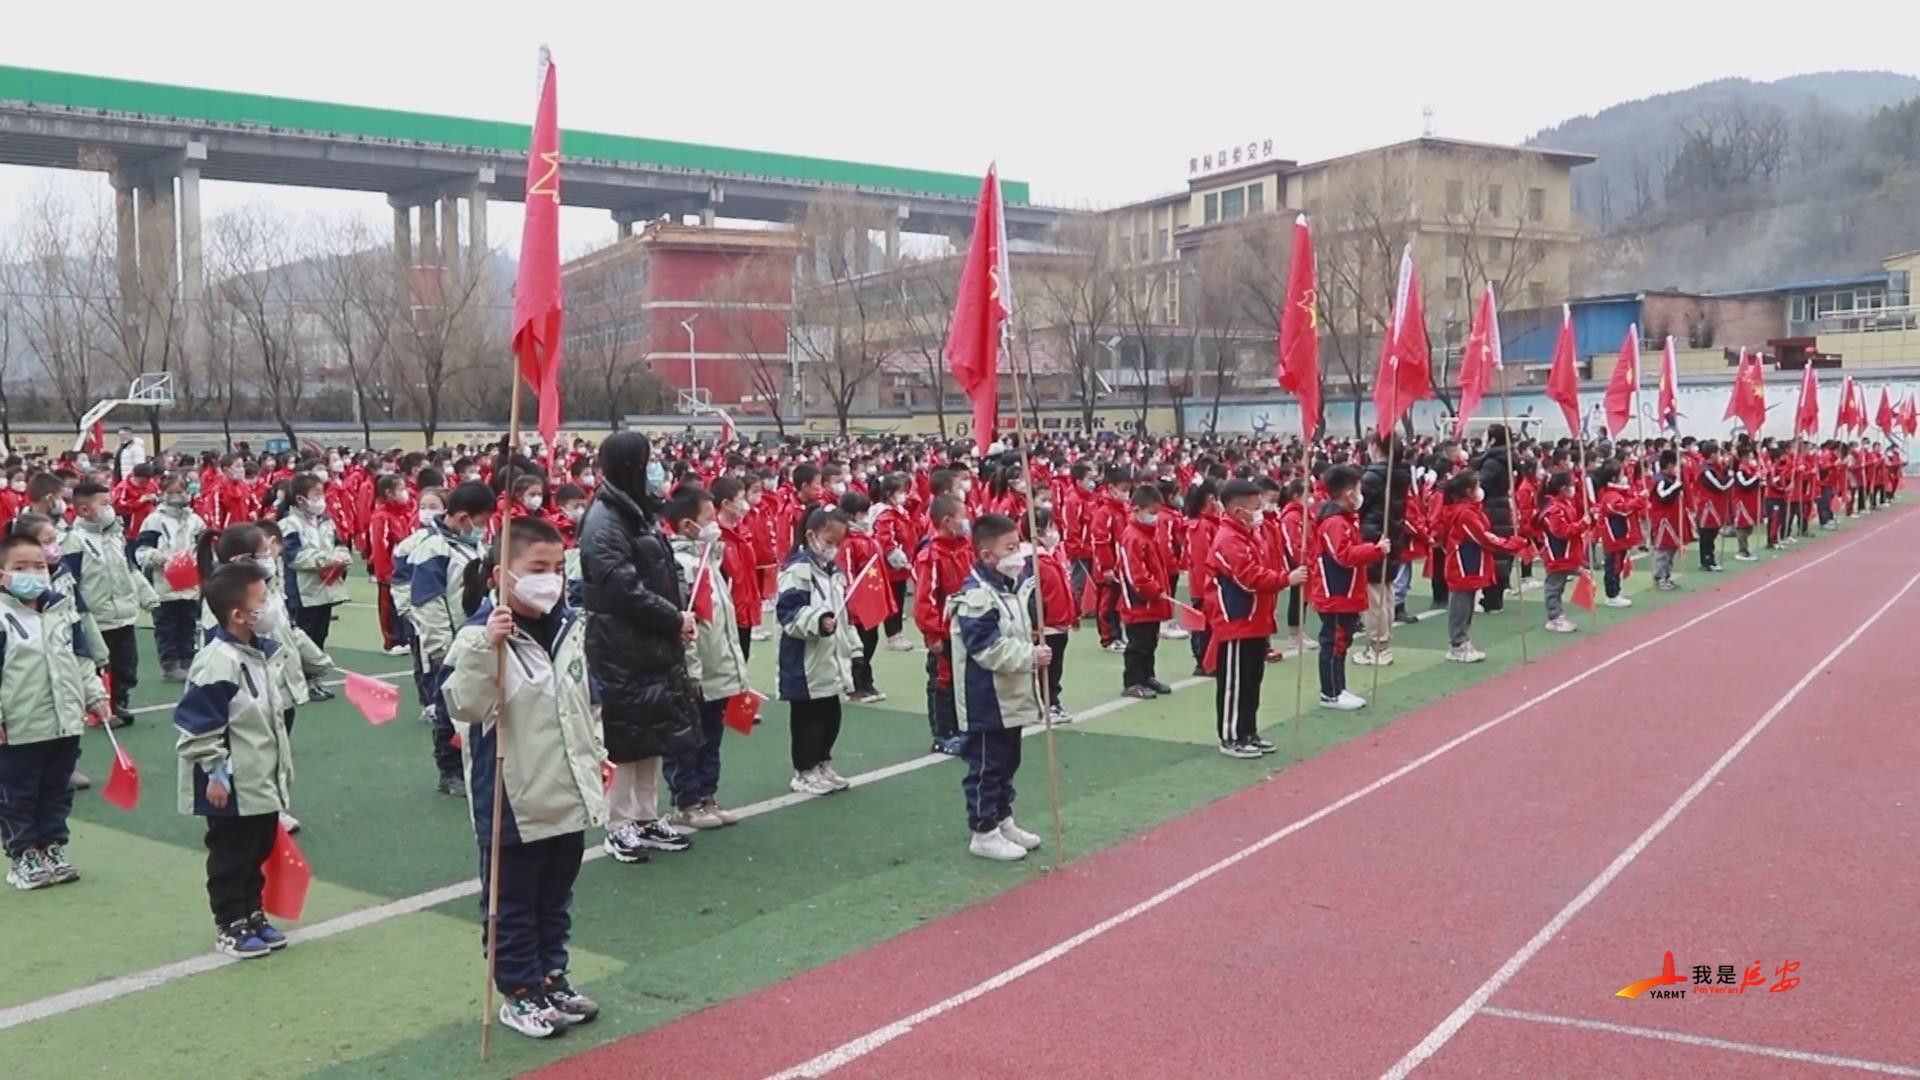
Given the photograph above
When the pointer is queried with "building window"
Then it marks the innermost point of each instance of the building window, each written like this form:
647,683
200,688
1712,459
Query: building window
1536,204
1126,249
1256,198
1456,247
1233,204
1493,199
1141,250
1453,288
1797,309
1166,243
1213,209
1456,197
1536,294
1899,288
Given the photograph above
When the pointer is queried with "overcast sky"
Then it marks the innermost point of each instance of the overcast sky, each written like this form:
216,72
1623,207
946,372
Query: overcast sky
1092,106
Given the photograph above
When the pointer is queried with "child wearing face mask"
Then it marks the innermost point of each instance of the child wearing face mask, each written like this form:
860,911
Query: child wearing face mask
94,555
939,570
569,509
236,757
171,531
392,520
1337,581
47,689
856,554
1246,586
316,559
1471,544
816,650
434,565
1146,599
893,530
551,787
733,514
1059,611
718,662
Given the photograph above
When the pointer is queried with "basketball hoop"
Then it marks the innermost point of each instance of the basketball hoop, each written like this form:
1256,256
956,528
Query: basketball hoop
696,401
150,389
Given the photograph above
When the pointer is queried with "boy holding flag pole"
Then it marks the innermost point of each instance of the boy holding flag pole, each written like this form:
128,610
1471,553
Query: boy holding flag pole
1299,373
1403,379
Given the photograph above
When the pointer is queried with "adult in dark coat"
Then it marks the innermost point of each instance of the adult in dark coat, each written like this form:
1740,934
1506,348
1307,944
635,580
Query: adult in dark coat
1384,517
1496,485
637,629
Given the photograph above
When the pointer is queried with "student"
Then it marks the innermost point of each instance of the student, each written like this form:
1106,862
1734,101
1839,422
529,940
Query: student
315,557
1337,581
1203,519
391,521
856,553
435,565
718,661
1715,504
1145,601
816,650
893,531
552,761
1669,525
170,531
1106,522
1246,586
1563,530
1059,611
47,690
236,761
1620,508
741,563
991,638
939,570
1749,488
109,593
315,664
1471,544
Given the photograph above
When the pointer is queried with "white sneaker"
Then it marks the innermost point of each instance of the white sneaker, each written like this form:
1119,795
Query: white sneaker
1059,715
1172,632
759,633
694,817
1018,835
1530,585
721,814
289,823
1465,654
398,650
995,845
1371,657
810,783
832,776
899,643
531,1016
1617,601
1115,645
1561,625
1348,701
1745,558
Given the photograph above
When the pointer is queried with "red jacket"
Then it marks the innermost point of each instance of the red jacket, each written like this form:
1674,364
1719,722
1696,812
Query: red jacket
1470,540
1336,577
1058,611
1713,504
1200,534
1246,582
1144,578
1669,524
1749,487
1171,532
939,571
135,499
1564,539
391,523
1106,520
1620,510
737,562
1076,518
893,531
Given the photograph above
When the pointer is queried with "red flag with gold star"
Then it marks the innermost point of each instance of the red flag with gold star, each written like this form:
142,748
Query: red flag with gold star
981,309
538,305
1298,369
1480,359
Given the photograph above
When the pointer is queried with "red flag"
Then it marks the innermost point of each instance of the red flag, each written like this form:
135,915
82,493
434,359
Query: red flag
981,309
743,709
1625,384
1667,405
1749,401
1479,360
1405,377
1806,418
1089,597
1909,417
1563,381
769,581
123,783
453,740
1299,365
701,588
379,702
538,305
181,571
97,438
870,601
1626,565
1583,591
1850,413
1883,417
284,894
1191,618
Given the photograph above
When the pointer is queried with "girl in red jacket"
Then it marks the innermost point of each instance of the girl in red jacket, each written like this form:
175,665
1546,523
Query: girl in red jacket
1563,542
856,552
392,520
893,530
1203,517
1471,543
1145,597
1337,581
1620,509
1059,611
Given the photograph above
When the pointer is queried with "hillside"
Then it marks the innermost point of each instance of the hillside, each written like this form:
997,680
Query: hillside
1734,182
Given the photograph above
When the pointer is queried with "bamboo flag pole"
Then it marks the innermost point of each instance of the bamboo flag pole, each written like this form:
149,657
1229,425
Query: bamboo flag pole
1039,614
499,735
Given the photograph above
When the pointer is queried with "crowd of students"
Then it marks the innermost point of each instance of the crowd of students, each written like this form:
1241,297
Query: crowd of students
987,566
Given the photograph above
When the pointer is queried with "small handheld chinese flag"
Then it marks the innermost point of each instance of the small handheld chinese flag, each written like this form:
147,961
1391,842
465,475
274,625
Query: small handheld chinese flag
1089,597
701,602
870,602
743,709
1583,591
453,740
606,777
769,581
182,572
1191,618
123,783
288,877
379,702
1626,566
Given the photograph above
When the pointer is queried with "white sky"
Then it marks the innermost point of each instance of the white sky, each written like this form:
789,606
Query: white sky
1091,106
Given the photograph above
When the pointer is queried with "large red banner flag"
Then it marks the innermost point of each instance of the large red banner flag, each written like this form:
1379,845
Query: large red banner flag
1748,402
981,309
1624,387
1909,417
1883,416
1806,418
538,305
1563,379
1299,364
1852,412
1479,361
1405,376
1667,407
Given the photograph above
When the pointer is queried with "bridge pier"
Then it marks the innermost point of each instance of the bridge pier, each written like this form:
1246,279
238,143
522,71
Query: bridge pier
193,279
449,231
477,223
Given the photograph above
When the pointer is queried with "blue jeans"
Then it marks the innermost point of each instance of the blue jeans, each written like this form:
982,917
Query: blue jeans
36,792
176,631
694,777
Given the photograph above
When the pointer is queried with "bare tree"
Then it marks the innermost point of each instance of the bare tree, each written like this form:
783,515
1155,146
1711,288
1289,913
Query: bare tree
843,318
1074,298
607,330
60,279
253,251
355,296
444,336
740,317
927,294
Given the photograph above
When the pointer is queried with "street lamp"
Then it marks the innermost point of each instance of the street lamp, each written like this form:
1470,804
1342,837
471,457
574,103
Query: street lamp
693,362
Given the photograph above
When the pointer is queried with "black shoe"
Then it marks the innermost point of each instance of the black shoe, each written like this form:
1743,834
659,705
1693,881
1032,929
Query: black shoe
1200,671
316,692
451,784
1262,745
1159,687
119,718
1402,616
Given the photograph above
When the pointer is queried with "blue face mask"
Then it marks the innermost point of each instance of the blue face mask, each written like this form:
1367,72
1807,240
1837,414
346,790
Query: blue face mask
656,478
27,585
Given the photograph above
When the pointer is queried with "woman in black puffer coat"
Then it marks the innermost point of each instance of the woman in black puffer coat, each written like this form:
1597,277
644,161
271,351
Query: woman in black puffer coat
637,632
1496,484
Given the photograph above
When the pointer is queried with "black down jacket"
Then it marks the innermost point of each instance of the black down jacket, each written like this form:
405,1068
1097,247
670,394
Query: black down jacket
649,706
1496,484
1378,519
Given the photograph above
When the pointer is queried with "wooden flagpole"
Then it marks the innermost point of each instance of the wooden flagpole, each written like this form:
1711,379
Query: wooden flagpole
1039,613
499,731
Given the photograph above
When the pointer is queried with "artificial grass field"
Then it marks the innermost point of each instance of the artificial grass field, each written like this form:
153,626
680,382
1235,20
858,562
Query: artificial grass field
783,891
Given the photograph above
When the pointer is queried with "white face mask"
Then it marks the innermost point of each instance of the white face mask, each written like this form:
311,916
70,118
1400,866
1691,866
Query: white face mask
539,591
269,563
1012,565
533,502
575,513
826,553
320,475
18,485
315,507
266,620
428,517
709,532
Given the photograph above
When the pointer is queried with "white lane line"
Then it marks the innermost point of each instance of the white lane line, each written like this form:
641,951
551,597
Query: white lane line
1477,1000
101,992
1779,1052
857,1048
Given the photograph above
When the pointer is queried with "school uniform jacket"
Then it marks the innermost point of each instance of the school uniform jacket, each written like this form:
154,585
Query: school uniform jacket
991,638
308,544
552,782
715,662
433,568
1715,501
1620,510
46,687
813,665
1664,512
1749,485
167,532
1246,584
107,589
1106,520
893,531
232,726
1144,581
939,570
1563,535
1471,544
1338,559
1200,534
742,574
1058,610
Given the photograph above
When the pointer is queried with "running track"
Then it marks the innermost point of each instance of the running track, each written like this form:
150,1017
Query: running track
1461,893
